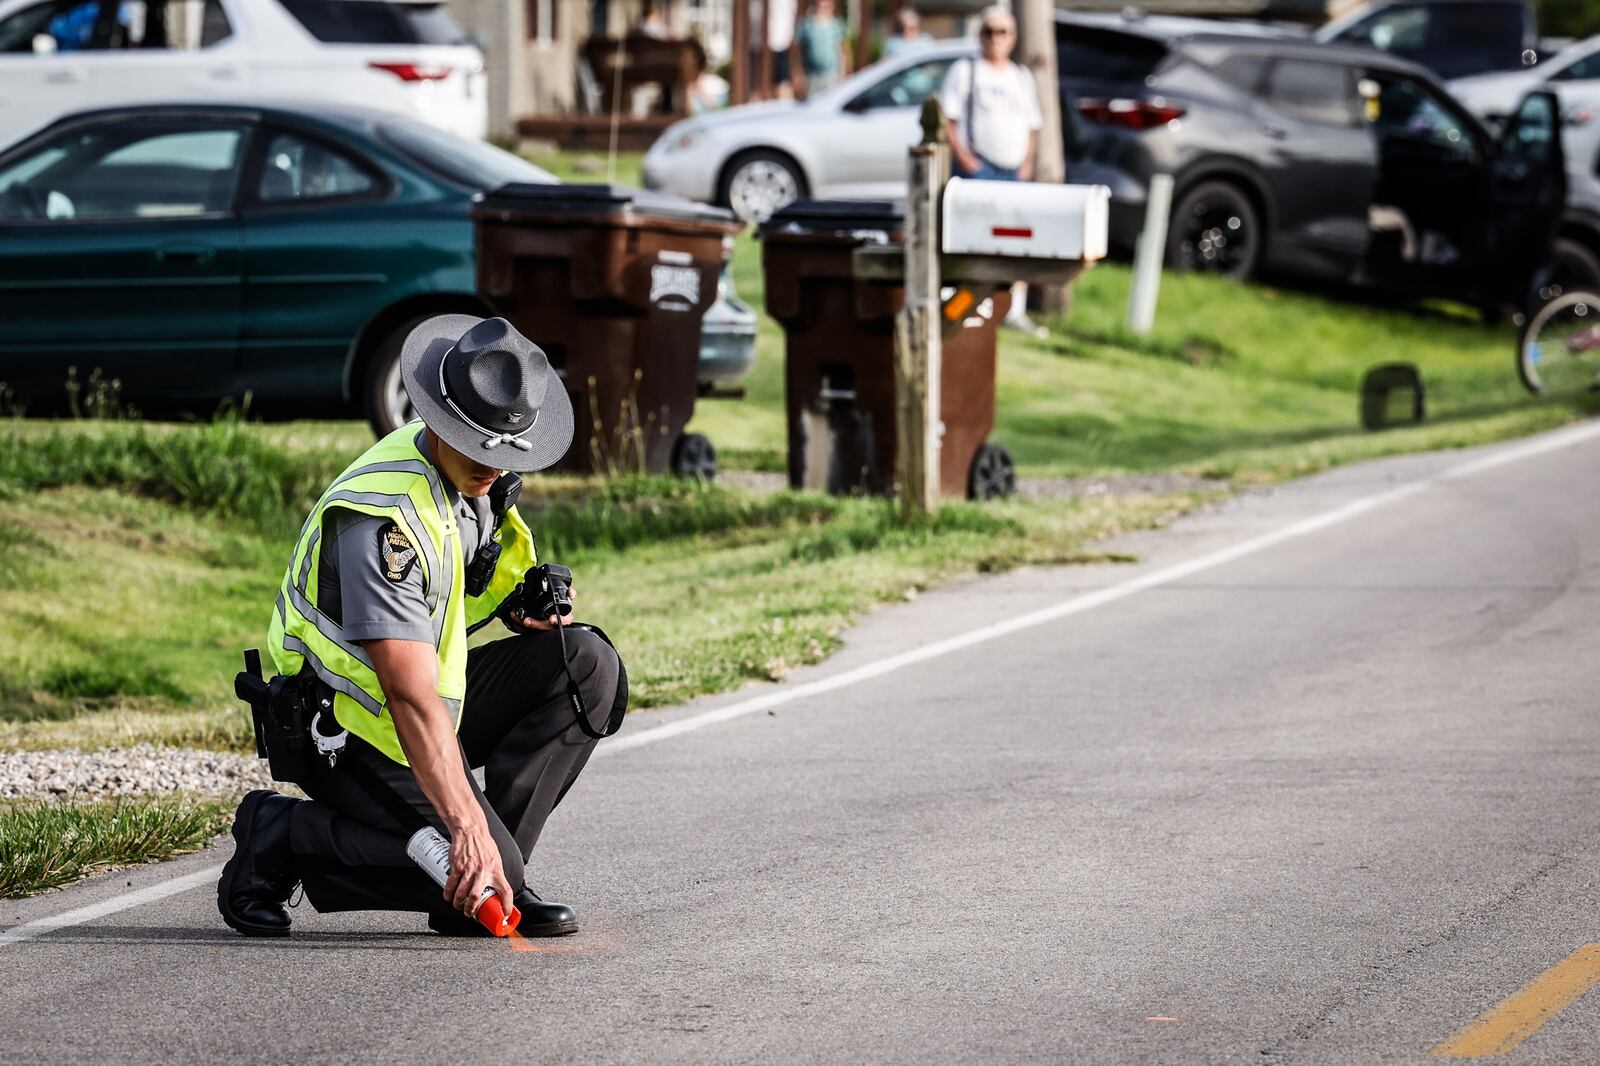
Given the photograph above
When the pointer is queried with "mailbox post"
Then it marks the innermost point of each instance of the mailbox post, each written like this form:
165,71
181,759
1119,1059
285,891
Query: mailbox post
990,234
917,331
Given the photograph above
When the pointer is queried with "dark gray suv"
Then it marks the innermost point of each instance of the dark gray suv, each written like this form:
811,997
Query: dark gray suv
1310,160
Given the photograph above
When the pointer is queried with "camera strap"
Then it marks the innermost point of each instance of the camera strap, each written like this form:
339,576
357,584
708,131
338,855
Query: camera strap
580,709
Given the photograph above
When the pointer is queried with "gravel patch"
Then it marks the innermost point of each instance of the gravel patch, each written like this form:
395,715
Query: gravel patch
142,770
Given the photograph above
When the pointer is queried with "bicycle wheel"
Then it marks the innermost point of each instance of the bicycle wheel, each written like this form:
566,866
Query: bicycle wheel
1559,351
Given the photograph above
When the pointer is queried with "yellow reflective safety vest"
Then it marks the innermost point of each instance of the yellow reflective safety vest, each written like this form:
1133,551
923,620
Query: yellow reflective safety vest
393,480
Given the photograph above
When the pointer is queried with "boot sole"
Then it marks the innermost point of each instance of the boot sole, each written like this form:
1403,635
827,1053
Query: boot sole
246,817
554,929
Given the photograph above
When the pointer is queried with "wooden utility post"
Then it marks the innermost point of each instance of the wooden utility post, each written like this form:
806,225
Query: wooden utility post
917,329
1036,51
739,74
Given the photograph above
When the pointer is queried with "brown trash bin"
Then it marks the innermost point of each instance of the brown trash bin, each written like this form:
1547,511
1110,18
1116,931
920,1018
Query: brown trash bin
612,283
839,374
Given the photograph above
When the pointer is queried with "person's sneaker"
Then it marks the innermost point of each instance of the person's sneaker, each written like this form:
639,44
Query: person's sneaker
539,918
1020,322
258,880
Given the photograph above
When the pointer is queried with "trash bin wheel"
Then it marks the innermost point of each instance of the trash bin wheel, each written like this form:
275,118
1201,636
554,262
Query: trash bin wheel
993,473
694,456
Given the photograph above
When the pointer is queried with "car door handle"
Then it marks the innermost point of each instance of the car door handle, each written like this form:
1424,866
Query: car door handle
65,76
1277,133
185,254
225,73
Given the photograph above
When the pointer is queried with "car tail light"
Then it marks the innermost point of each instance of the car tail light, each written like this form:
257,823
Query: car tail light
1128,113
413,71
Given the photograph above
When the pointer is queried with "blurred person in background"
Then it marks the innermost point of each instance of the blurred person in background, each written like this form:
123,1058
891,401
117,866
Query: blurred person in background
907,37
822,39
992,113
782,17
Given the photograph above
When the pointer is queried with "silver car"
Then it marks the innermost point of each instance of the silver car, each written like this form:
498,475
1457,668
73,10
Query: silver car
847,142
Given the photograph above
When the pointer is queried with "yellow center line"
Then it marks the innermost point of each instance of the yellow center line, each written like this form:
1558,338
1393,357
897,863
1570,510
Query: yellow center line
1520,1015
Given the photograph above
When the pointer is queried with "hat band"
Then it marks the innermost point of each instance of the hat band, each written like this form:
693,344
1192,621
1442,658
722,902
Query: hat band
493,438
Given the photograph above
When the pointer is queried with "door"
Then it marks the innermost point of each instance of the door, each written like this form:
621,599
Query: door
1429,207
119,253
1527,194
1320,162
320,247
172,49
865,157
44,53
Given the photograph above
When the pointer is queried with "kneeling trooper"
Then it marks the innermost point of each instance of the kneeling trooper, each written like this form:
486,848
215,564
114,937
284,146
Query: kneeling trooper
393,569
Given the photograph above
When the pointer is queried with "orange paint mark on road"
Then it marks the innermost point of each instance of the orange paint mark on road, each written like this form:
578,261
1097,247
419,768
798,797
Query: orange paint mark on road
1519,1016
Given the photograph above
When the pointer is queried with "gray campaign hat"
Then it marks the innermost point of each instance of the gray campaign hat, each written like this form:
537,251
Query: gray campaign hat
487,391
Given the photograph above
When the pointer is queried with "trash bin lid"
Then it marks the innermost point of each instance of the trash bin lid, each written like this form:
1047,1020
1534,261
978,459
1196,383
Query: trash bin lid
865,218
600,200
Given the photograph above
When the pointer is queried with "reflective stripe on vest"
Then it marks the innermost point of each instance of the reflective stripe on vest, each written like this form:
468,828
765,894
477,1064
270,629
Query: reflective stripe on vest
392,480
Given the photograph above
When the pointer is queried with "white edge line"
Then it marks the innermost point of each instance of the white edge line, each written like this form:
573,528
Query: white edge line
1557,439
149,894
779,696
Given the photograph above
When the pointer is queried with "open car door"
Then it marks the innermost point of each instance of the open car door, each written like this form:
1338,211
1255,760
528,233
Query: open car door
1527,194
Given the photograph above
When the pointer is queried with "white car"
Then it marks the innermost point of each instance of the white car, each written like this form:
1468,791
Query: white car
60,56
848,142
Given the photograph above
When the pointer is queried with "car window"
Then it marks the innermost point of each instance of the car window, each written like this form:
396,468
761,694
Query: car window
1584,69
465,161
1478,27
1091,53
904,88
295,169
1312,92
53,26
1395,29
126,170
1530,135
1243,72
376,22
1401,109
82,25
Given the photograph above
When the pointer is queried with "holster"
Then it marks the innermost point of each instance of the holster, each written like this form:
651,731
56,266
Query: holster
282,710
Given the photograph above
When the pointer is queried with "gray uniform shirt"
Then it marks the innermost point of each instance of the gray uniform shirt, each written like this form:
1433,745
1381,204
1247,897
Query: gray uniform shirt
368,583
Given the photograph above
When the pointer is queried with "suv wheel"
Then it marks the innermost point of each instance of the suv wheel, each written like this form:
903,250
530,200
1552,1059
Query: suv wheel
759,183
1215,230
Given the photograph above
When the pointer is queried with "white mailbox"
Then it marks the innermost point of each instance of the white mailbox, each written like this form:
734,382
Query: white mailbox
1026,221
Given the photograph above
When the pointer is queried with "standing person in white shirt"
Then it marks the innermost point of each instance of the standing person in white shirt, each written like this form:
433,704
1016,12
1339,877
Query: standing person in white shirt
992,112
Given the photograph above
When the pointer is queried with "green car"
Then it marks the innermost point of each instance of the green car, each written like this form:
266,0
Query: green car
197,253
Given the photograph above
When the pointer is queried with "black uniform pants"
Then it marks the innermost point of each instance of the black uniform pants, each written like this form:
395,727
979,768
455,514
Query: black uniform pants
517,724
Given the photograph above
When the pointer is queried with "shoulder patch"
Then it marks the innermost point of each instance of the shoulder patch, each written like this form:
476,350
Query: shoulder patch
395,553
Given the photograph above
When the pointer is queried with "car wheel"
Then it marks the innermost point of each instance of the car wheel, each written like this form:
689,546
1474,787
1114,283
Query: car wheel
384,391
757,184
1215,230
1572,267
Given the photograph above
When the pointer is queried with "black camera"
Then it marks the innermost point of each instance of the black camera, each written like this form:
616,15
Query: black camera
546,591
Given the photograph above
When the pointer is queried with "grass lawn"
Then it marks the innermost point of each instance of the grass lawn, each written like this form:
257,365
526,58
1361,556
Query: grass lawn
137,582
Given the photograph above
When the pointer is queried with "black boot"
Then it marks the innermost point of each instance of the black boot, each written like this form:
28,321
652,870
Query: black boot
259,879
538,919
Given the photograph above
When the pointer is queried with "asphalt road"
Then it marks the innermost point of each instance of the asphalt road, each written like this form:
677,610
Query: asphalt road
1325,801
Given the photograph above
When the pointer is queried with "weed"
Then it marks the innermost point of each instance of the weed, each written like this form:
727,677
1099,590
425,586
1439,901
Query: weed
47,845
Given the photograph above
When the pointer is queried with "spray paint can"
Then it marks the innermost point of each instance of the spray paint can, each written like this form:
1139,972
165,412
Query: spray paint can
429,849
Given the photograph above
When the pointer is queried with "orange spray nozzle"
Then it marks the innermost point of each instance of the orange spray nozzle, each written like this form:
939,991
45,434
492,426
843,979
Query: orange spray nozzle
493,918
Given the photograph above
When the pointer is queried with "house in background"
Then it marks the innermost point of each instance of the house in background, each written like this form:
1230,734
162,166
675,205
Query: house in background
534,49
556,67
